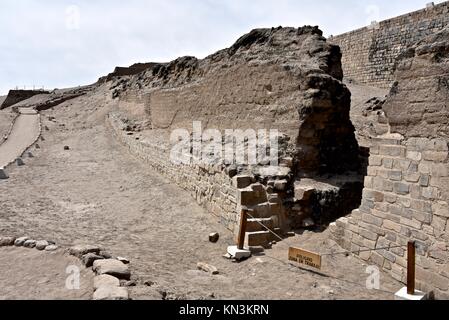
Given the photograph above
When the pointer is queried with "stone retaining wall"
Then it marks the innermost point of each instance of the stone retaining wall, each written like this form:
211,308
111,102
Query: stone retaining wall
220,189
369,53
405,198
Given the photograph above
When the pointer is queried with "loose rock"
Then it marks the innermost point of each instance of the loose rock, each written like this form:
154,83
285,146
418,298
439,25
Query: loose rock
112,267
6,241
80,250
89,259
123,260
207,268
111,293
214,237
30,244
51,247
20,241
41,245
105,280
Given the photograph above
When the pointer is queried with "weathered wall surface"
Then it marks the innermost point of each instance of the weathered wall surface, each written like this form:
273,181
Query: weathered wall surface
126,71
369,53
407,188
286,79
15,96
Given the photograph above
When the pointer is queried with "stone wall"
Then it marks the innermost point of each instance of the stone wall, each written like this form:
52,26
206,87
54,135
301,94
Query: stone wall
369,53
284,79
15,96
406,192
126,71
222,190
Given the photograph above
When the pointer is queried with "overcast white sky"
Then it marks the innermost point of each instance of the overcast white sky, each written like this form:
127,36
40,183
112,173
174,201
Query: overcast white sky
62,43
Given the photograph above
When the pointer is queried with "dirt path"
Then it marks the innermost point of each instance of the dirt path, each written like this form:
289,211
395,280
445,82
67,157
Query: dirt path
41,276
98,193
23,134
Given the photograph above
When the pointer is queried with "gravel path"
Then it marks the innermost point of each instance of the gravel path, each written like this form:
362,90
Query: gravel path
24,133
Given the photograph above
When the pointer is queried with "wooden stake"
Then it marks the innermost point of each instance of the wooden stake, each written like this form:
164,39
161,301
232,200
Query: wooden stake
242,231
411,267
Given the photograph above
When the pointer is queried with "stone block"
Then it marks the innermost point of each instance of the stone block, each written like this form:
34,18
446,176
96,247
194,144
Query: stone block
241,181
401,188
112,267
111,293
441,209
371,219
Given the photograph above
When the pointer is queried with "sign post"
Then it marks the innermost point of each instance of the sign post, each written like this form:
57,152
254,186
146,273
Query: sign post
242,231
411,267
305,257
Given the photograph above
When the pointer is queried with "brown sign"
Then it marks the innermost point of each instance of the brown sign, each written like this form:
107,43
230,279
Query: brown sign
304,257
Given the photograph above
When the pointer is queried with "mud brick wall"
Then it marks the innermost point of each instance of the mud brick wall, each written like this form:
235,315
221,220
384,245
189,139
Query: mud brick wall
369,53
15,96
405,198
217,188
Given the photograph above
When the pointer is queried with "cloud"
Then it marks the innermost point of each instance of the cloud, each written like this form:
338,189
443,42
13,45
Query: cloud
61,43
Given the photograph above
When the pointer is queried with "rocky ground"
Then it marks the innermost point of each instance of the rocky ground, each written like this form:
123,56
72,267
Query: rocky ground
97,193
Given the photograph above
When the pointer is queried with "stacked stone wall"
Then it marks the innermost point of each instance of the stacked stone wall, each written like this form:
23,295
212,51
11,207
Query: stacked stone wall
369,54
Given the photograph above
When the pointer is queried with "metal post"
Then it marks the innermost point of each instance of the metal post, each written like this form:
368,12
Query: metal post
411,267
242,231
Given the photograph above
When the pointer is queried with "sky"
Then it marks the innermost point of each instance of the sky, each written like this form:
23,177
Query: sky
66,43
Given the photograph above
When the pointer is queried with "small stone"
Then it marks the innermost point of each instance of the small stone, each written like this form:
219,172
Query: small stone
123,260
41,245
207,268
66,148
89,259
214,237
30,154
30,244
130,283
105,255
112,267
105,280
20,241
37,146
3,174
19,162
149,283
80,250
111,293
308,223
7,241
51,247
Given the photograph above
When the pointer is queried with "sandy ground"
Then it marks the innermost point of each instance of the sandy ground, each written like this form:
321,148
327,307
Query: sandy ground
6,117
97,193
23,134
41,276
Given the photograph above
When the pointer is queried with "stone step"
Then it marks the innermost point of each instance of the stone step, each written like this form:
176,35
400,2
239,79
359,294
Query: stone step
254,225
258,239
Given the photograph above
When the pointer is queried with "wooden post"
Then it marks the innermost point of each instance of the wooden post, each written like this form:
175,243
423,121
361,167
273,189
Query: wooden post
242,231
411,267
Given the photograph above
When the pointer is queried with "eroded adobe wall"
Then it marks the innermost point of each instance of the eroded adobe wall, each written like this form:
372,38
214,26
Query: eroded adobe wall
369,53
282,78
16,96
406,191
